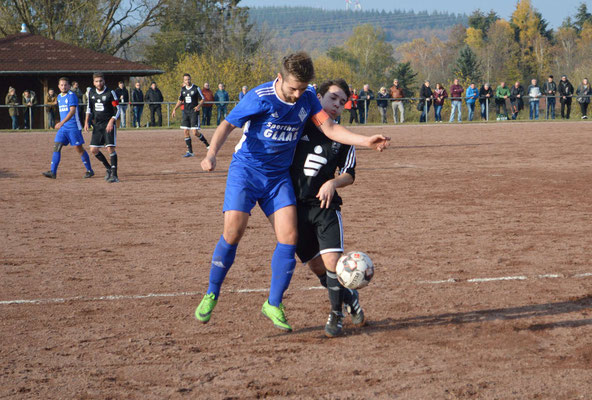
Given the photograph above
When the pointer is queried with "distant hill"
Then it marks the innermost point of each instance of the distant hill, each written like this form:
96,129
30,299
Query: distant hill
310,29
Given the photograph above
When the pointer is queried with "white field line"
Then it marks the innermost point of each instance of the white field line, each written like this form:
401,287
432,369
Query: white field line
182,294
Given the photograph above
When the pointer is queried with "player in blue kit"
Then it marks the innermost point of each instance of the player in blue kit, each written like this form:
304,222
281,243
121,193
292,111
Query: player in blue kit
273,116
69,130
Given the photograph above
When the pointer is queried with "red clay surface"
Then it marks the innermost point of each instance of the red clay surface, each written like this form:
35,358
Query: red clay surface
444,202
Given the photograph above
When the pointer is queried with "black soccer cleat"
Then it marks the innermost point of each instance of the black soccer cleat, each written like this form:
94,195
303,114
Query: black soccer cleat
108,174
89,174
355,309
334,325
113,179
49,174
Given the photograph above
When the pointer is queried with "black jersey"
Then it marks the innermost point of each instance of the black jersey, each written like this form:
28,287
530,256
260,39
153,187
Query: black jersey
102,105
190,97
315,161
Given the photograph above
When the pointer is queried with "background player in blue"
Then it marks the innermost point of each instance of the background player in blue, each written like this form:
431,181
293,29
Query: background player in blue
273,116
320,227
69,130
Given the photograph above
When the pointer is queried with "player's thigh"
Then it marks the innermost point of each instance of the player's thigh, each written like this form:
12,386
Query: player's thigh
98,137
329,233
235,224
284,222
307,247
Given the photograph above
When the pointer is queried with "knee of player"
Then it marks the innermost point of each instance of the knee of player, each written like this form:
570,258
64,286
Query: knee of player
57,147
233,234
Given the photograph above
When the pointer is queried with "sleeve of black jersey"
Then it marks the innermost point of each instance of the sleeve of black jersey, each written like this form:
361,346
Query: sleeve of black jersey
347,161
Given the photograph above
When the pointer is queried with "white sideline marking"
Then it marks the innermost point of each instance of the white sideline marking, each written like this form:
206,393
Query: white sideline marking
182,294
131,297
501,278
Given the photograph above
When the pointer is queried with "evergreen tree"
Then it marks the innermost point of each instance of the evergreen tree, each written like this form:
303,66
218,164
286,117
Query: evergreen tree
406,76
582,17
467,65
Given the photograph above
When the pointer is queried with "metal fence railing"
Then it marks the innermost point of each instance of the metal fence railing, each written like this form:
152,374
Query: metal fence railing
415,109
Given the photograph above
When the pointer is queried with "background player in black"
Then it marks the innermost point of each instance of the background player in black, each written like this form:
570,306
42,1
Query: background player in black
320,229
104,107
192,100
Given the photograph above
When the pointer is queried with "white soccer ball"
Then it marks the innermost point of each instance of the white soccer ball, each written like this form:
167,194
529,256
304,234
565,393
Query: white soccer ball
355,270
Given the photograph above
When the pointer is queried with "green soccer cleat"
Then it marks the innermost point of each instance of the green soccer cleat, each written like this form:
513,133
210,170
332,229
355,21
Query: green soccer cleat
203,312
276,315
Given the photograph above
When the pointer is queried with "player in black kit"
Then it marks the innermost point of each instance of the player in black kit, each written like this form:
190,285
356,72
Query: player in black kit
320,229
192,100
103,106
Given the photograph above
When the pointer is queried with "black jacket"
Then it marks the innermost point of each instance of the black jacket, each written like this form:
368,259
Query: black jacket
137,96
484,92
565,89
518,101
154,96
122,92
425,93
549,87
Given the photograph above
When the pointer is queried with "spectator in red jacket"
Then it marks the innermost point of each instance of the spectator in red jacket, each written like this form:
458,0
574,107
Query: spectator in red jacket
207,104
456,95
352,105
439,96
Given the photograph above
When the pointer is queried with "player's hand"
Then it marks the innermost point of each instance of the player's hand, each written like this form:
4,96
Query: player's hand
378,142
208,163
197,108
173,114
85,128
58,126
110,126
326,193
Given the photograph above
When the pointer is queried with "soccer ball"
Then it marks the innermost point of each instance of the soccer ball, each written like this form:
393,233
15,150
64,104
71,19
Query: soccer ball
355,270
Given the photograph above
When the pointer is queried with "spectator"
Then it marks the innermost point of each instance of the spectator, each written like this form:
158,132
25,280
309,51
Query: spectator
243,93
315,87
138,105
85,102
471,98
12,100
425,101
501,95
352,106
382,103
154,99
456,95
222,99
566,90
550,90
439,96
584,94
29,100
516,99
485,97
207,104
534,95
366,95
397,92
75,88
123,97
52,101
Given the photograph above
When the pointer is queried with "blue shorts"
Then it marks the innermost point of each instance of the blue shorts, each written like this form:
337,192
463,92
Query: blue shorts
69,136
246,186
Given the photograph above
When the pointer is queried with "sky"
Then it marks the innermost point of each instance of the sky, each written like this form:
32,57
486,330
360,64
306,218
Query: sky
553,11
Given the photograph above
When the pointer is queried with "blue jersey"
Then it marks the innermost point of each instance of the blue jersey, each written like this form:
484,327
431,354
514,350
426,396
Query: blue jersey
272,127
65,101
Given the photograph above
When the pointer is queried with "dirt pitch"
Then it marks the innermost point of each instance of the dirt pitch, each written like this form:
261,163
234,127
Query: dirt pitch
117,270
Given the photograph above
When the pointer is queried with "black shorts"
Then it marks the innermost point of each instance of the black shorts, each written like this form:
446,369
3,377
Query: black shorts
320,231
190,120
100,136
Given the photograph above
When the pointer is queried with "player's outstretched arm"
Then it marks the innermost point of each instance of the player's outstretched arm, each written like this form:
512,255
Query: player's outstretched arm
339,134
220,136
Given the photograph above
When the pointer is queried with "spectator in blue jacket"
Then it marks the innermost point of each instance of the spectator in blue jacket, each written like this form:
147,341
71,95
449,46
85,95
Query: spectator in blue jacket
221,97
471,95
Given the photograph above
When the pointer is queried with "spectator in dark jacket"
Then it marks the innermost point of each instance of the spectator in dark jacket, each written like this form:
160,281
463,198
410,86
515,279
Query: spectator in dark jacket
52,111
456,96
439,96
123,97
426,96
516,99
138,98
366,95
12,100
154,99
29,100
566,91
549,91
485,98
382,103
584,92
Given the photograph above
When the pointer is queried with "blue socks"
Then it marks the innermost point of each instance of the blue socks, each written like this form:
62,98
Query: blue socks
86,161
55,161
283,263
222,260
